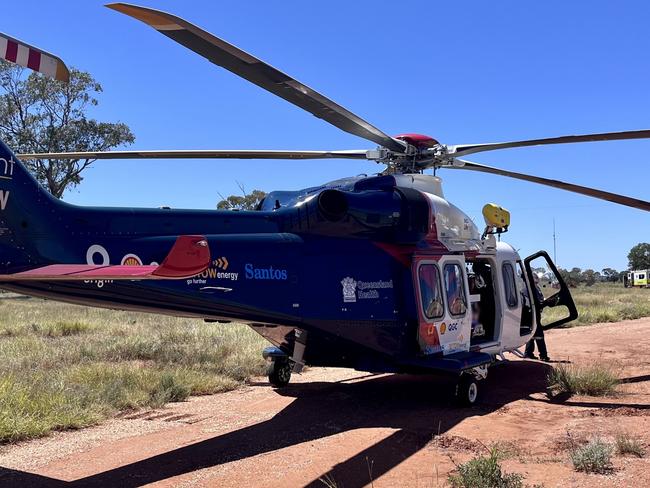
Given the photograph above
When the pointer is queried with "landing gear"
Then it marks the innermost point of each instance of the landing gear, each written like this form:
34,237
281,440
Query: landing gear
468,390
282,364
279,372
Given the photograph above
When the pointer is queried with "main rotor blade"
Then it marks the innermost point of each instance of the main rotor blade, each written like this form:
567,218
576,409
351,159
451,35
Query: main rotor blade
583,190
256,71
201,154
33,58
465,149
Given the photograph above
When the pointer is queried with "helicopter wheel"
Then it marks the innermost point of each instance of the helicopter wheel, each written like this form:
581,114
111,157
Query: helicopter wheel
467,390
279,373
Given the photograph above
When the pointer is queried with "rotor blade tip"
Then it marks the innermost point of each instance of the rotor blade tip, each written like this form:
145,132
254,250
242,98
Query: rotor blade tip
154,18
62,72
115,5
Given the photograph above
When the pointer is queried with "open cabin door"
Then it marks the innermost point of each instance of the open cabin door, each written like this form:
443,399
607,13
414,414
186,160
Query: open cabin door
553,301
443,306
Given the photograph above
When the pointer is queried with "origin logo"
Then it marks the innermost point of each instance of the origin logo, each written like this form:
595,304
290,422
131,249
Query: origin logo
253,273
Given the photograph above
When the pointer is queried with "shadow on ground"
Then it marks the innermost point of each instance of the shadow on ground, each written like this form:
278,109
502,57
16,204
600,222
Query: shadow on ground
419,407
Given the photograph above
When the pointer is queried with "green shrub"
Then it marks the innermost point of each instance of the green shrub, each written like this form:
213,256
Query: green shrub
484,472
594,457
594,380
626,444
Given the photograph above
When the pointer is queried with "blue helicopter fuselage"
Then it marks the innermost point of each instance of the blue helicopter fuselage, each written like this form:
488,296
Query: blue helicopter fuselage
274,269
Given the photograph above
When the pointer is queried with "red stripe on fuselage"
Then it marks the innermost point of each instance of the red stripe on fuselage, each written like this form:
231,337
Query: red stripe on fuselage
12,51
34,60
432,231
402,253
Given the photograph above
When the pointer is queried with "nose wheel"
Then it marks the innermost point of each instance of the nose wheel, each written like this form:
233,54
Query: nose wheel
468,389
279,372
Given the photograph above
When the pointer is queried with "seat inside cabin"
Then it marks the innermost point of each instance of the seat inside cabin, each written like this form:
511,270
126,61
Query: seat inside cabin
480,276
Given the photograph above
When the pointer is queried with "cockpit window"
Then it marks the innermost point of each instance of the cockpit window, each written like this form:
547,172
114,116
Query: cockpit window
454,284
430,291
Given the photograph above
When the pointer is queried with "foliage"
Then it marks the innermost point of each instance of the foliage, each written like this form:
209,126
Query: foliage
59,374
626,444
610,275
571,278
639,256
594,457
247,201
588,277
593,380
39,114
484,472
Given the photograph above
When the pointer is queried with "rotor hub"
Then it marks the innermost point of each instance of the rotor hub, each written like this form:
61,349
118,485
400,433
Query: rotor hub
421,152
419,141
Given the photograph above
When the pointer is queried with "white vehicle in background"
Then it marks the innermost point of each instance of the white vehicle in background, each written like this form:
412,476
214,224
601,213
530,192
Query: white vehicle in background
637,279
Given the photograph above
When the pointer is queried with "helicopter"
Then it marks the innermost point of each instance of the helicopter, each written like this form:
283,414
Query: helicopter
379,273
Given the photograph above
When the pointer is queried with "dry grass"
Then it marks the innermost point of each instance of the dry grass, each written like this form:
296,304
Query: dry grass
64,366
628,444
593,379
604,302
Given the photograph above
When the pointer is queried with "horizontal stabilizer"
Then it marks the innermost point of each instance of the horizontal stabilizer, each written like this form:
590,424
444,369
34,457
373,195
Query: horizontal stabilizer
189,256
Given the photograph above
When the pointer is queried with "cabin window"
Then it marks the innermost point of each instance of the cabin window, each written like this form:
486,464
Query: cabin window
526,326
509,285
456,300
430,291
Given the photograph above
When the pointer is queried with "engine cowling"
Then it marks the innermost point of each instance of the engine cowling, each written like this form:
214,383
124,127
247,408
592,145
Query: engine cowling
395,214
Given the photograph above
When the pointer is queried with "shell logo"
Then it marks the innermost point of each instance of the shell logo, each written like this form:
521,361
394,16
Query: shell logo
443,328
131,260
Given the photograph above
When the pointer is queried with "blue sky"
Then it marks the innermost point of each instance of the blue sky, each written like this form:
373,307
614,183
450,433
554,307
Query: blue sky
462,72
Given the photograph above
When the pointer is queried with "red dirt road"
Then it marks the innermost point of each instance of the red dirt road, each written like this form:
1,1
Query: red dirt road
351,428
